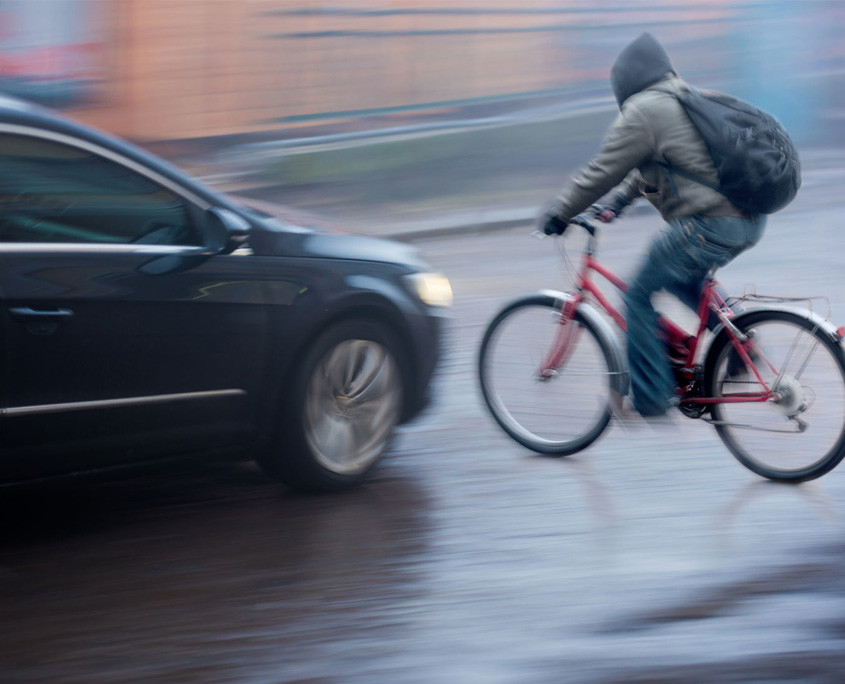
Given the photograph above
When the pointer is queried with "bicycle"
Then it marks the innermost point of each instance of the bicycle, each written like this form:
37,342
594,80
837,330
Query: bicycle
771,378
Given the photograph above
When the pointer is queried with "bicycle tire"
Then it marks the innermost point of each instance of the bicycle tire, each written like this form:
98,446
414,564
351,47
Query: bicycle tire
804,364
562,414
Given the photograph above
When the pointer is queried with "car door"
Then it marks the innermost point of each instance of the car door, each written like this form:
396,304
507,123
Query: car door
122,338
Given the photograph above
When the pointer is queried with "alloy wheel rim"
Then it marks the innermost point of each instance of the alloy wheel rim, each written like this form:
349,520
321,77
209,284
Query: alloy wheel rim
352,404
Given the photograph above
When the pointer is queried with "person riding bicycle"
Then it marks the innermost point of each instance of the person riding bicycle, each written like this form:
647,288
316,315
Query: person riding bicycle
703,229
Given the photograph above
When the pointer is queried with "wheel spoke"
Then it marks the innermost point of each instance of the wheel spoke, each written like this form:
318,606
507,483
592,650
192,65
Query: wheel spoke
806,361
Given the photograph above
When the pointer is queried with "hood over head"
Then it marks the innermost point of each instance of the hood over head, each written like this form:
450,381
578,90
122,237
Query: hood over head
641,64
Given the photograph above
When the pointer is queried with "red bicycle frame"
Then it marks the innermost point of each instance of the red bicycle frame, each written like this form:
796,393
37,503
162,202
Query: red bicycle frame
682,346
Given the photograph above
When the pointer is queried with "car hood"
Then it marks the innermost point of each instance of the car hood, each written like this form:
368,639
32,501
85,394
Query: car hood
360,248
274,237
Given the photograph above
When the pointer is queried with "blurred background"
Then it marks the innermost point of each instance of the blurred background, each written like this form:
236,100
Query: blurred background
406,107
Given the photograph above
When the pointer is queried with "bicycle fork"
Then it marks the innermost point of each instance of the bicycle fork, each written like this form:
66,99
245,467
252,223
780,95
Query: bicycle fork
566,336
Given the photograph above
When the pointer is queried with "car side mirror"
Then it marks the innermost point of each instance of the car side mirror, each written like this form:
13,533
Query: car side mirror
224,230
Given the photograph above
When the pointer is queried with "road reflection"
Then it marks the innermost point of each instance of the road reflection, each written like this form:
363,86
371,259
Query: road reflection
597,495
808,496
213,574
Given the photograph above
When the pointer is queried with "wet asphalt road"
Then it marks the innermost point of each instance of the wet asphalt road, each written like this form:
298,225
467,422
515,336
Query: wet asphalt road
652,556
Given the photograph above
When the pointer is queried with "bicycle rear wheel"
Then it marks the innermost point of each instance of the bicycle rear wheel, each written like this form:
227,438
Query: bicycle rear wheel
799,435
560,414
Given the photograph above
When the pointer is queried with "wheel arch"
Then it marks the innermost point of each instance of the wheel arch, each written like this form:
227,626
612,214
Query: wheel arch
285,453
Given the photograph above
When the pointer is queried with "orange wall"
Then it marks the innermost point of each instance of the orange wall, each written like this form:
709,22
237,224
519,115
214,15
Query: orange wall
194,68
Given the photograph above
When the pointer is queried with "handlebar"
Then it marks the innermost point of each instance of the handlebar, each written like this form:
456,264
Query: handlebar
581,220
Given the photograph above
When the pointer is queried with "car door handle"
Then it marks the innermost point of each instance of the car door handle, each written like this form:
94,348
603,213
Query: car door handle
25,312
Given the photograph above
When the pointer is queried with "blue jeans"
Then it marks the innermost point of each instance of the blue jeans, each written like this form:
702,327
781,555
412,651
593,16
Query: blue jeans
677,262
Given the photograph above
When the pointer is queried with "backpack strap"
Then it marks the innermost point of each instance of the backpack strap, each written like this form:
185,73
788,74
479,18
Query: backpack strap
667,174
669,169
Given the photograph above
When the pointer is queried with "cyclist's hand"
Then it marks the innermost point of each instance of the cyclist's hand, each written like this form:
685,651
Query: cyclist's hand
604,212
611,209
552,224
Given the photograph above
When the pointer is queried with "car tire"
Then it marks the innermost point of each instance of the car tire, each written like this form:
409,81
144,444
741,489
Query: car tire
338,421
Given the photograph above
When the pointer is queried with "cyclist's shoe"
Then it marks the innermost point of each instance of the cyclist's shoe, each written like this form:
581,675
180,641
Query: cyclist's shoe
736,370
691,410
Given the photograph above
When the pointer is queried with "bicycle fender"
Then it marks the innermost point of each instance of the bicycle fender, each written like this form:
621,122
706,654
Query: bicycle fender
618,360
824,325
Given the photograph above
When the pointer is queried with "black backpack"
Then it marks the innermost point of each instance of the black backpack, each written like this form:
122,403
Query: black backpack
754,156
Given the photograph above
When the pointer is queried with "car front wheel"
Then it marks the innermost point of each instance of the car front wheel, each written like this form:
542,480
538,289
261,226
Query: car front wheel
346,401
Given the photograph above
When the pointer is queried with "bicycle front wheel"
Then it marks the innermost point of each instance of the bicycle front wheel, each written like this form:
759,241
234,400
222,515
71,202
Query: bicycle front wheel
799,434
555,415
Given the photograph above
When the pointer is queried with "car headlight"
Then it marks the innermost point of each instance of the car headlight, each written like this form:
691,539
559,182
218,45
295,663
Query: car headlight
433,288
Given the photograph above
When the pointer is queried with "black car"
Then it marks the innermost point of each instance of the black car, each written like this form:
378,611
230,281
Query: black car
146,316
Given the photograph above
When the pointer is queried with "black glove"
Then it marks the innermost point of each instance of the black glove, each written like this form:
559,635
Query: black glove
552,224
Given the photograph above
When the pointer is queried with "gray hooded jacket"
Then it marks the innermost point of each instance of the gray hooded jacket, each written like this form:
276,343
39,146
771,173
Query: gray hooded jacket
651,127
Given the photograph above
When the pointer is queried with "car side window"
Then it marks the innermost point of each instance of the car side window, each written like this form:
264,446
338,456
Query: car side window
56,193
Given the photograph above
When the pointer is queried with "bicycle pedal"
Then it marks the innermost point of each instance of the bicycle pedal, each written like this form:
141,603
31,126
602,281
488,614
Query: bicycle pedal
693,410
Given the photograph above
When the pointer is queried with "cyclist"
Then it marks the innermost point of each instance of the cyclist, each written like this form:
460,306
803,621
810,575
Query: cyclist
703,229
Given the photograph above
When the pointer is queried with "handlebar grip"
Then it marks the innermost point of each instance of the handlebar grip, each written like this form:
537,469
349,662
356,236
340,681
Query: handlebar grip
581,220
